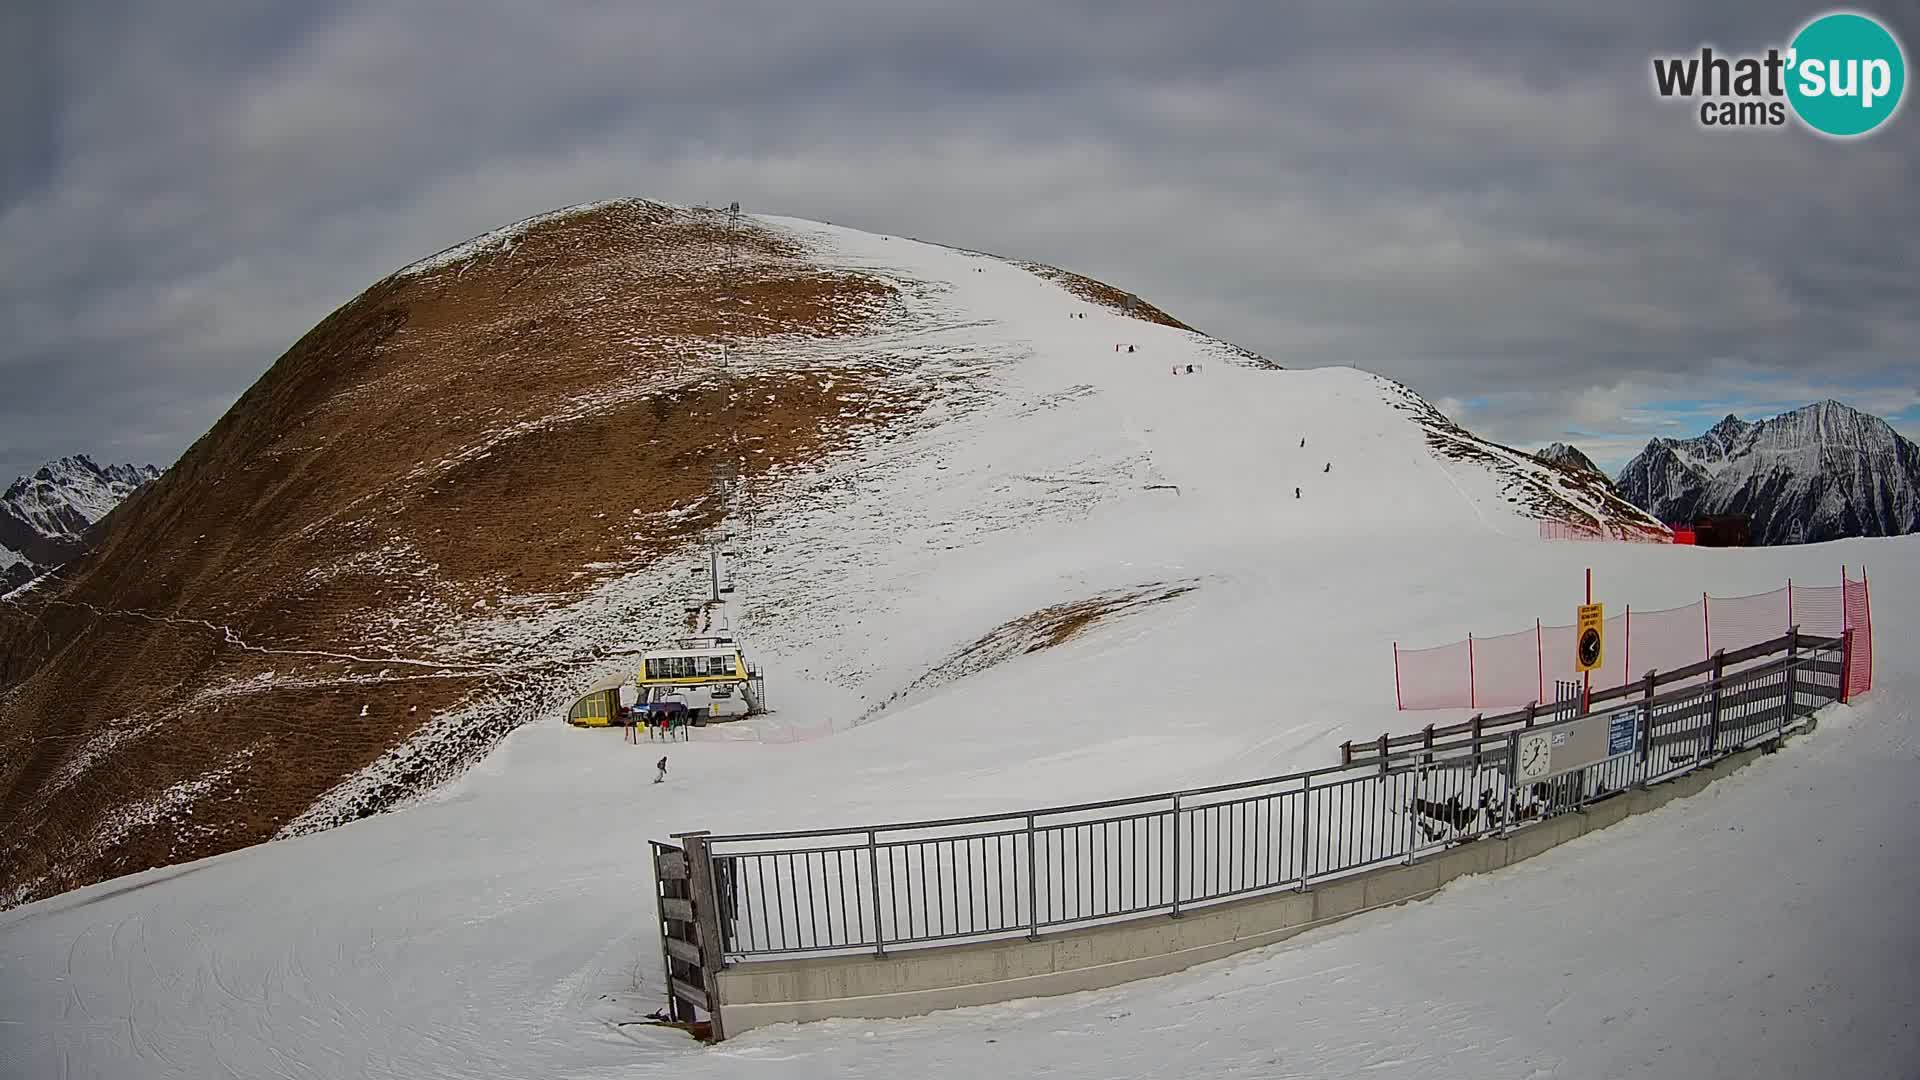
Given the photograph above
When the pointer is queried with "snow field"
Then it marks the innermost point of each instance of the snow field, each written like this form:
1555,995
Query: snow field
505,926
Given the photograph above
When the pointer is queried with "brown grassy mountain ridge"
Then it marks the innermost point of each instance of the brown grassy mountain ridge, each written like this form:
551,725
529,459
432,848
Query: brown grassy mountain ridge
371,568
501,424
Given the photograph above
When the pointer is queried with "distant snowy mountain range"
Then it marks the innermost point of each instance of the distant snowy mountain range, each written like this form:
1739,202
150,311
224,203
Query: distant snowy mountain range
1818,473
44,517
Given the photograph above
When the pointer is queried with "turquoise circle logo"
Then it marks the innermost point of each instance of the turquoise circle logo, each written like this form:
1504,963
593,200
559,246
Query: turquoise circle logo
1847,74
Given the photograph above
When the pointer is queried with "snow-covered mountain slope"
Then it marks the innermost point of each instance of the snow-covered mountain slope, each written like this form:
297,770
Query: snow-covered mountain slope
1569,457
1022,567
44,517
1817,473
505,927
1540,489
466,494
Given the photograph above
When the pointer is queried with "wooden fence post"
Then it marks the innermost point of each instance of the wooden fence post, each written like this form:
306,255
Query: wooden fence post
706,913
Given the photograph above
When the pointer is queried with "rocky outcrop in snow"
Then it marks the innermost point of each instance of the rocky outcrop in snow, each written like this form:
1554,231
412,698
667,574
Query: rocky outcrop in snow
1817,473
44,517
1569,457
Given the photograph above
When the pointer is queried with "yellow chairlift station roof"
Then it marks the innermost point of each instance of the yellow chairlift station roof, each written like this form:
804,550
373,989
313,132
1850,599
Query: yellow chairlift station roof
716,650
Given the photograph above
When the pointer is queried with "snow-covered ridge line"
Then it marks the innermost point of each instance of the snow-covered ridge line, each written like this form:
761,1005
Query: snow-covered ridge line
1570,457
494,240
1549,491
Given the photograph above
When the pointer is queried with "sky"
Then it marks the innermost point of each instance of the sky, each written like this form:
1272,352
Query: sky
1484,200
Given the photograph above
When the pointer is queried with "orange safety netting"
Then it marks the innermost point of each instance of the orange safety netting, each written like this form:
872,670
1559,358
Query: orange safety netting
1513,670
1506,669
1435,678
1859,618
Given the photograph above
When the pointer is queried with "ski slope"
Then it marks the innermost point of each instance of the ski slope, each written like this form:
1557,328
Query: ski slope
503,927
1061,469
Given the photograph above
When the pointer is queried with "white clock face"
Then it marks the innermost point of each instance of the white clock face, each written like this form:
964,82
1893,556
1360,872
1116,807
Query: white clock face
1535,756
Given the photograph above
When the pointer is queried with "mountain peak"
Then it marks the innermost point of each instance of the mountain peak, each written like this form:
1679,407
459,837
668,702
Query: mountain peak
1831,408
65,466
1569,457
1730,427
44,515
1819,472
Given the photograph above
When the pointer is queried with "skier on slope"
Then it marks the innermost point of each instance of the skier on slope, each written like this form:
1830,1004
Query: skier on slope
662,766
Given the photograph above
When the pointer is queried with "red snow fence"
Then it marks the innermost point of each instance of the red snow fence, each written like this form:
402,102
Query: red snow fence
1567,530
1514,670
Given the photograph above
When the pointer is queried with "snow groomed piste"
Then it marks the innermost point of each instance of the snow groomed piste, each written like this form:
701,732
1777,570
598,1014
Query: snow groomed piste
1072,898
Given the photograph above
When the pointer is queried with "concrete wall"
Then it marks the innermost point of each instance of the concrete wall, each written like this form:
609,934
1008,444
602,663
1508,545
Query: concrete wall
917,981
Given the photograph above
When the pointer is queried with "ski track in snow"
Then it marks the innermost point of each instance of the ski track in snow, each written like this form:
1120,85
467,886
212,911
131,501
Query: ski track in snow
503,925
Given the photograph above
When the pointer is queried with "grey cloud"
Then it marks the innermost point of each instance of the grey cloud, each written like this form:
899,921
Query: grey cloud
1483,200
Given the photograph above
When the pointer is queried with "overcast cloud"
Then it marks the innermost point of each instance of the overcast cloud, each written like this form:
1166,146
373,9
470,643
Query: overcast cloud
1483,200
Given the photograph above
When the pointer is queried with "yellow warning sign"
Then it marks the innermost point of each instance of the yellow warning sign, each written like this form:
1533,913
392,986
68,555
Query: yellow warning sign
1589,637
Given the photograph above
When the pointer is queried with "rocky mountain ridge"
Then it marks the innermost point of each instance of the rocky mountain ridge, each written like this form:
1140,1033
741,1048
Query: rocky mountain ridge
1817,473
44,517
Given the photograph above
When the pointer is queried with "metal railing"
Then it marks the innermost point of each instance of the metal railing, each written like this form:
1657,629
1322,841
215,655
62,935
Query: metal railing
1007,875
1717,666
